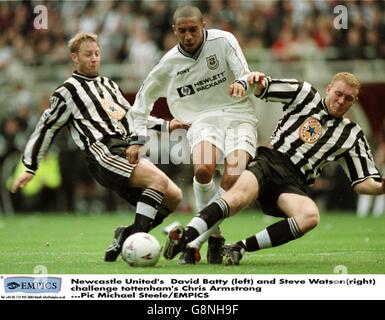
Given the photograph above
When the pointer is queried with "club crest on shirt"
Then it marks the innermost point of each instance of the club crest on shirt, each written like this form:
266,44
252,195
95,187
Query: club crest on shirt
113,110
212,62
310,131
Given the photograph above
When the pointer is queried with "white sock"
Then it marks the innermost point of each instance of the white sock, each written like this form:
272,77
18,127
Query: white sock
379,205
218,194
198,242
364,204
203,193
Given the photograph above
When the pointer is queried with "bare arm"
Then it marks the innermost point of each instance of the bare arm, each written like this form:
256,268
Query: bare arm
370,186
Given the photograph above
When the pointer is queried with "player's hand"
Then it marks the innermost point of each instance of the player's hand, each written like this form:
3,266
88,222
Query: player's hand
255,77
237,90
176,124
22,181
132,153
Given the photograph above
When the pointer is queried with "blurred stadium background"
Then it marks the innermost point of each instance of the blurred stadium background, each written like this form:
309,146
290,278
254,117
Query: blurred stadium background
283,38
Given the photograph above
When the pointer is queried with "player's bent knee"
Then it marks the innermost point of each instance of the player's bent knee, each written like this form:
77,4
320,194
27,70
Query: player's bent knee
311,219
204,174
173,196
173,201
176,194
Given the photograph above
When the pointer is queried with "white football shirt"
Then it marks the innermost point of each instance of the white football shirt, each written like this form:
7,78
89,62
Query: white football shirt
195,84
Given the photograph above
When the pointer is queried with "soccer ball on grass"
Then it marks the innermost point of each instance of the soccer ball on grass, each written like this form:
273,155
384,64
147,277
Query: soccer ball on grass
141,250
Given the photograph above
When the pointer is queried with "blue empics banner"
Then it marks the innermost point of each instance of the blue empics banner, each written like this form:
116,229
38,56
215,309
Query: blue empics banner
32,284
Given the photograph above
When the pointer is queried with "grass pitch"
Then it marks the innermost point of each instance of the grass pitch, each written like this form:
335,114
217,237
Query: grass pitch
75,244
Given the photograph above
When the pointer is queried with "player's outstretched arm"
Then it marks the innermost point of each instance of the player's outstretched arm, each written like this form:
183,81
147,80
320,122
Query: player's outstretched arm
22,181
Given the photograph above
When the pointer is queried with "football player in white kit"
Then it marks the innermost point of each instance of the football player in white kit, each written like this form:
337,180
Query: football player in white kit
193,77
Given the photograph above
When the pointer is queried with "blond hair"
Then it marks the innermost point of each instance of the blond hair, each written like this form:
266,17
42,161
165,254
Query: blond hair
79,38
349,78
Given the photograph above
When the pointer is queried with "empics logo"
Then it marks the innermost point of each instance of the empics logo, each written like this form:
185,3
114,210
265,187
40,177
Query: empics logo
186,91
12,285
32,284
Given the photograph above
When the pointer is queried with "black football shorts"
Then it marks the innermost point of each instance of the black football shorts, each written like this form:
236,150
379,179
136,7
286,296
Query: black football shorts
108,165
276,174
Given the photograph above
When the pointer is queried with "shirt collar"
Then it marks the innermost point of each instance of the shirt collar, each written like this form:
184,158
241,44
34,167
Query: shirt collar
324,106
194,55
78,75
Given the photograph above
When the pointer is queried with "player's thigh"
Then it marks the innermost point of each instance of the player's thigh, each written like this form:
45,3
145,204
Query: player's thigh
146,174
207,142
241,135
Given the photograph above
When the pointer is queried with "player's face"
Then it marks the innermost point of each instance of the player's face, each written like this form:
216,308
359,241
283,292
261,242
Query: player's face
87,60
339,98
189,32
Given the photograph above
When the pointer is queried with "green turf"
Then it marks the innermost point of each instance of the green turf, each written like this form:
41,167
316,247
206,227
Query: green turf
75,244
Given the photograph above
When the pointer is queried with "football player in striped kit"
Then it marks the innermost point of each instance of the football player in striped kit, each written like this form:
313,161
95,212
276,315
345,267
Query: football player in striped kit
311,133
98,117
192,76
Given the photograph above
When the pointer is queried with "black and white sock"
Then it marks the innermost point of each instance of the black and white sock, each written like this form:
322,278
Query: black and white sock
275,235
162,214
146,209
208,217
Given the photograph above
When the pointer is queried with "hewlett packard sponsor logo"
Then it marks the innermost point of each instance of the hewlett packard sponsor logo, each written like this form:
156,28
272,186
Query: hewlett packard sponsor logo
186,91
32,284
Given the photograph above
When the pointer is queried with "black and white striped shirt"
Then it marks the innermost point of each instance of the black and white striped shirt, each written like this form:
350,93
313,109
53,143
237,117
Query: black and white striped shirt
312,138
78,104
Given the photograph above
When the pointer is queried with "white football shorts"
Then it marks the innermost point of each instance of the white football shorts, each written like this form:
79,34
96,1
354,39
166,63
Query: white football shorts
226,130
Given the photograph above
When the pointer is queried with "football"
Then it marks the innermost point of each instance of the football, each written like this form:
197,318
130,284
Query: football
141,250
